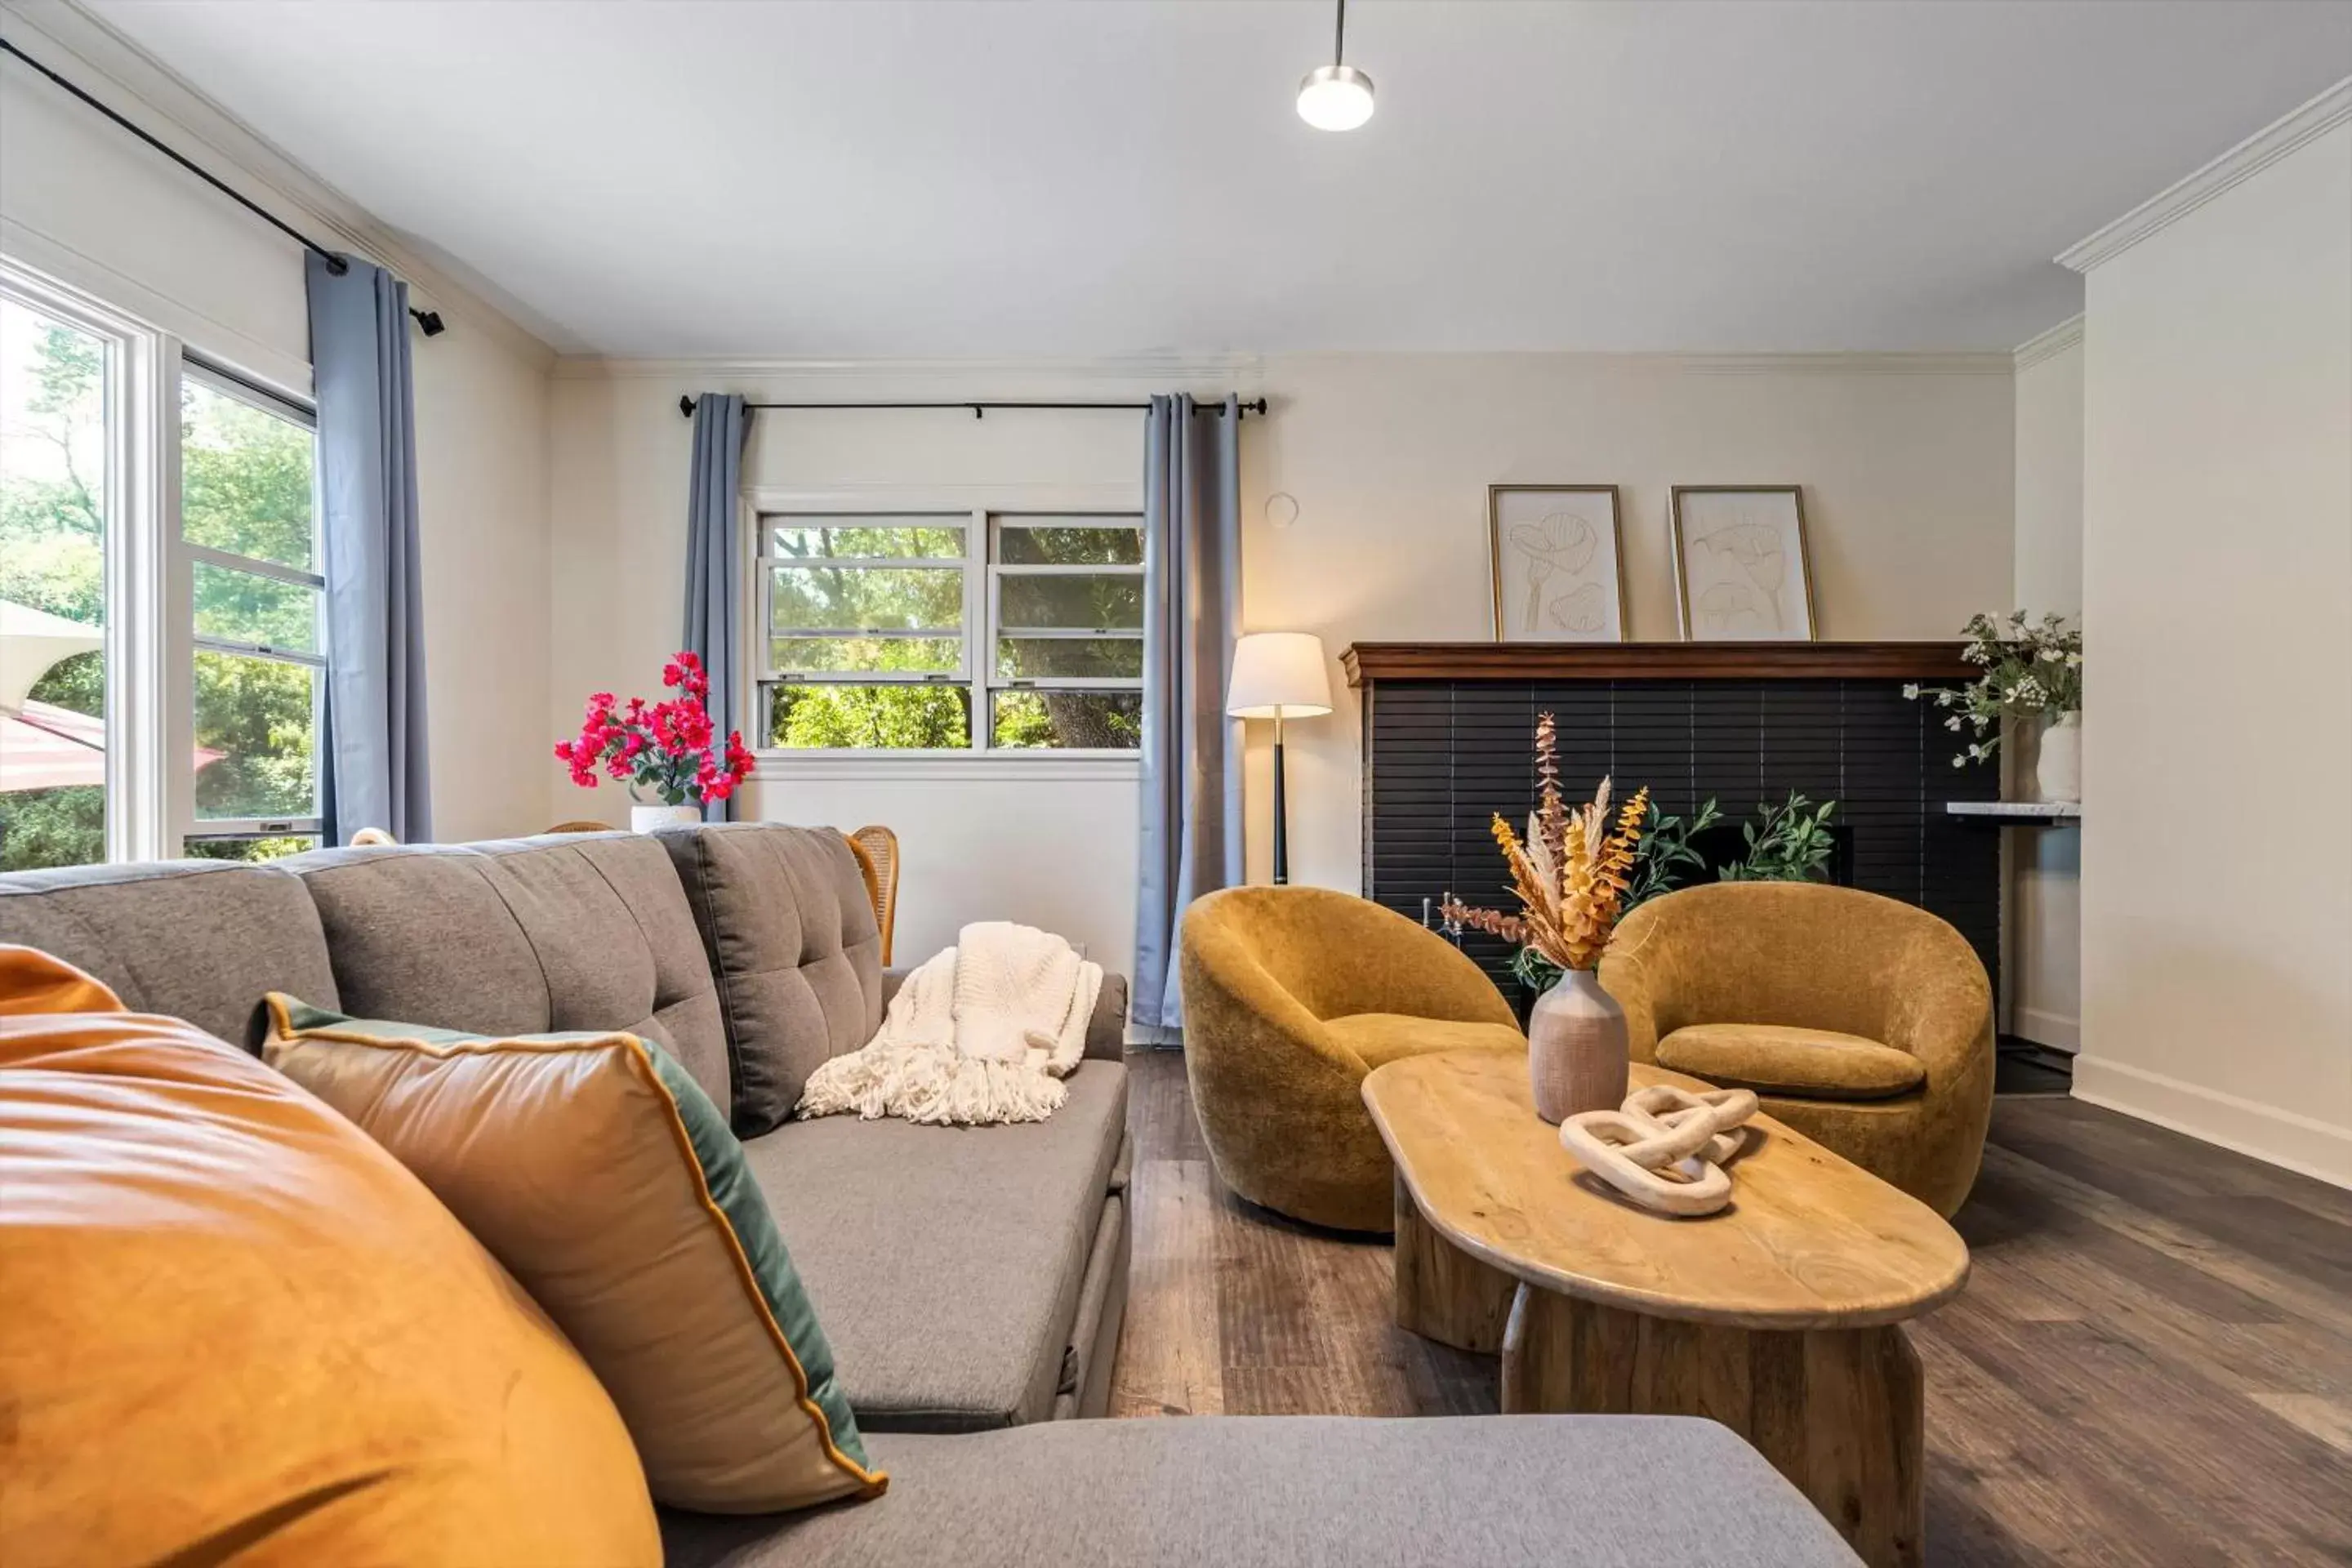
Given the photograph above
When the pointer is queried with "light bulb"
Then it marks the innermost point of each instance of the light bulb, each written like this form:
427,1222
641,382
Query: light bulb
1335,97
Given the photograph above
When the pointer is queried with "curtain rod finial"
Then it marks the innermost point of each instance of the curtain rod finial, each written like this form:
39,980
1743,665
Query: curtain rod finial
686,406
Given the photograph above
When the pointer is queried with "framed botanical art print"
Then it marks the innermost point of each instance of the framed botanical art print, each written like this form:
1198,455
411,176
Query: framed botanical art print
1741,573
1559,570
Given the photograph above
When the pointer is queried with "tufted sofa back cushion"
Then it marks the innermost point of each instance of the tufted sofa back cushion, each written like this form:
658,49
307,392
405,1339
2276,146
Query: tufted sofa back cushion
790,935
571,931
198,940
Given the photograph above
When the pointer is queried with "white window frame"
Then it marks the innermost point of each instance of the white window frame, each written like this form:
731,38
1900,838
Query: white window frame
976,509
229,385
150,647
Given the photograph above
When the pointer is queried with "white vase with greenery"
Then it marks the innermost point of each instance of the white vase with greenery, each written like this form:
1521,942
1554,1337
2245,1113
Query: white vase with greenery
2032,672
2058,770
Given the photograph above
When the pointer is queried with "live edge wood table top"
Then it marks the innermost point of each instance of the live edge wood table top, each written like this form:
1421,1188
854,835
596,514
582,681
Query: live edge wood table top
1778,1317
1808,1242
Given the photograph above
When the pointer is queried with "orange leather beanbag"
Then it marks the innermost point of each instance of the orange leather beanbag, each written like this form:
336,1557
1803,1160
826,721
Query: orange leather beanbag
233,1329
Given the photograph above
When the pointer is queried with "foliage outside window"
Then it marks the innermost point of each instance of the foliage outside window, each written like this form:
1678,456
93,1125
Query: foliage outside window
56,385
247,638
952,631
248,524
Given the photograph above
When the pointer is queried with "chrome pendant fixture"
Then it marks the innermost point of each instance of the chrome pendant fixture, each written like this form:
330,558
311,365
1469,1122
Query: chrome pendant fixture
1337,97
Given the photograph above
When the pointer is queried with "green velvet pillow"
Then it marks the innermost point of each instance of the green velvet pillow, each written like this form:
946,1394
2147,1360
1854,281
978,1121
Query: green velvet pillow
596,1170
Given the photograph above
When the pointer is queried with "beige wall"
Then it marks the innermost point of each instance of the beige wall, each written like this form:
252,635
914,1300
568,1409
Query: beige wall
1908,491
2044,915
1047,841
1905,465
83,203
482,483
2217,853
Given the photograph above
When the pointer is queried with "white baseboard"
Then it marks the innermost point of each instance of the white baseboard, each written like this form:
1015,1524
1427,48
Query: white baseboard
2277,1137
2059,1031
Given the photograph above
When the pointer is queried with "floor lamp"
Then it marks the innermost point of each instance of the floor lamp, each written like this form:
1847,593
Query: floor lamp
1280,676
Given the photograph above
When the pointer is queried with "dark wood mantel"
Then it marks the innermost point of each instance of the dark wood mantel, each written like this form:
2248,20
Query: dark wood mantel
1460,661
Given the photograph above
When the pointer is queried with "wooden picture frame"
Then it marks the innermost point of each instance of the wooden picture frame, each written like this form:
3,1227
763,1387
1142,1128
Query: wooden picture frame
1559,572
1734,581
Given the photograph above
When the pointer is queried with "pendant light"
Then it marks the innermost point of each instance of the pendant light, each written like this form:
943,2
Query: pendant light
1336,97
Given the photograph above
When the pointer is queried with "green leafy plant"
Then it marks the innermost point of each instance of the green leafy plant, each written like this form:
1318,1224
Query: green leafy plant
2030,670
1665,860
1788,843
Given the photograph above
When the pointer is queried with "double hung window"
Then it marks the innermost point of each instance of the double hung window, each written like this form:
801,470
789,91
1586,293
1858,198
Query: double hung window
950,631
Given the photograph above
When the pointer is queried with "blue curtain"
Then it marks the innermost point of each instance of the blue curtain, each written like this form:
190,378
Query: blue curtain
714,565
1191,808
375,771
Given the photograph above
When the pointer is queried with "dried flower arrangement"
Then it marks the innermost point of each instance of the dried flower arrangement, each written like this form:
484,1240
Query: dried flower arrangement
1572,872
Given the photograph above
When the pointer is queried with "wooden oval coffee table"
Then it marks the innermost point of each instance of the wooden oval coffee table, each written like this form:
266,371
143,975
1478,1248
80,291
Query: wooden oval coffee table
1778,1317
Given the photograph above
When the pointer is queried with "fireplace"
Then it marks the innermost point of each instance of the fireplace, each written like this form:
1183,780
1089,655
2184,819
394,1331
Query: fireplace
1449,728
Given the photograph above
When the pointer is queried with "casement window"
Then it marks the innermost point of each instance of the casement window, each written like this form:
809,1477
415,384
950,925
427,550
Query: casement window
160,650
979,631
249,530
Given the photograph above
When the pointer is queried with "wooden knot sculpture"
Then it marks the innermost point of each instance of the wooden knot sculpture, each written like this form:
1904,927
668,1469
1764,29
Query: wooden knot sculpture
1665,1148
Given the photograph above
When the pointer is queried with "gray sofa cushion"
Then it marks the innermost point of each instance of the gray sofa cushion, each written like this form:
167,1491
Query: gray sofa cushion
194,939
945,1261
1301,1491
585,931
790,935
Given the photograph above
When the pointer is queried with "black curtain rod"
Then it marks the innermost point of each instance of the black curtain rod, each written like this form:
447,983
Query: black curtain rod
430,320
979,409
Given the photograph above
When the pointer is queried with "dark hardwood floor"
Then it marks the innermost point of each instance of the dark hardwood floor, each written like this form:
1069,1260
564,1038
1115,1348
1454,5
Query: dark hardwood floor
2152,1362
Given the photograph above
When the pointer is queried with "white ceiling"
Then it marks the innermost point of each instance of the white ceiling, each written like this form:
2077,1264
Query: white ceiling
1101,177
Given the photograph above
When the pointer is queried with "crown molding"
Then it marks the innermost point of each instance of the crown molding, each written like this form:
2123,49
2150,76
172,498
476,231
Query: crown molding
2049,345
2248,158
1245,373
1851,361
142,89
1241,373
1955,363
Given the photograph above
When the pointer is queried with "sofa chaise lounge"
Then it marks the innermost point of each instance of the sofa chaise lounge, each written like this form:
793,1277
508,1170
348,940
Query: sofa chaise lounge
972,1281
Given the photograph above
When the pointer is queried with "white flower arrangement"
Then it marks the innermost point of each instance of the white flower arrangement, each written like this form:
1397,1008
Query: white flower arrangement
2029,670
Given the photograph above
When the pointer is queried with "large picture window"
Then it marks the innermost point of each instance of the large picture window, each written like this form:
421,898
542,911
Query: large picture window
60,438
162,651
951,631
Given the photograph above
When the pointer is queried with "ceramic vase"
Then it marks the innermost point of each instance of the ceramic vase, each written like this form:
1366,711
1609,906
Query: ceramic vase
646,819
1576,1048
2058,771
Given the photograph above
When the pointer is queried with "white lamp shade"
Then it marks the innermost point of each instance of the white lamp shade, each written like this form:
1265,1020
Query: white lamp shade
1279,675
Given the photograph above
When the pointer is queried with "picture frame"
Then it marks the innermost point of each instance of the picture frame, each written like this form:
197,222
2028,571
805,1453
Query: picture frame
1743,571
1556,554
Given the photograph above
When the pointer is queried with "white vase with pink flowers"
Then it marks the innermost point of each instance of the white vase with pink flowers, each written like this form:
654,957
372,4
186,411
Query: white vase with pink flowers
668,754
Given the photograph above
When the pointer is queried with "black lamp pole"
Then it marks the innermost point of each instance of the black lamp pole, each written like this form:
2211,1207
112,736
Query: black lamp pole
1281,811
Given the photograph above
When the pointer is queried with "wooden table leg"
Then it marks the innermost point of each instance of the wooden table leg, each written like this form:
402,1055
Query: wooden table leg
1840,1412
1442,1292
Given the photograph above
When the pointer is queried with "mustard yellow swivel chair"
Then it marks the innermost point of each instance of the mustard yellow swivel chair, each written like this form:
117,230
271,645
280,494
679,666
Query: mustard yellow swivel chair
1866,1024
1293,994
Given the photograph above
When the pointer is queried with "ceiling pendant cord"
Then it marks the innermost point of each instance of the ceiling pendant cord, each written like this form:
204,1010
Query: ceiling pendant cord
1337,97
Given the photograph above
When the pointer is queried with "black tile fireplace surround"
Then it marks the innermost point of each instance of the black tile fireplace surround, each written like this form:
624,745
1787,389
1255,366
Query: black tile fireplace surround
1449,730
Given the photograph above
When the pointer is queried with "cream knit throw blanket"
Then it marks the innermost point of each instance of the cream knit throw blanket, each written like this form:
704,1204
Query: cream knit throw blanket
984,1031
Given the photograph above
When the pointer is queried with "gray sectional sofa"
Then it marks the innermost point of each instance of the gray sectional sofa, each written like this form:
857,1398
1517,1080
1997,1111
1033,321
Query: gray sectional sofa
972,1281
